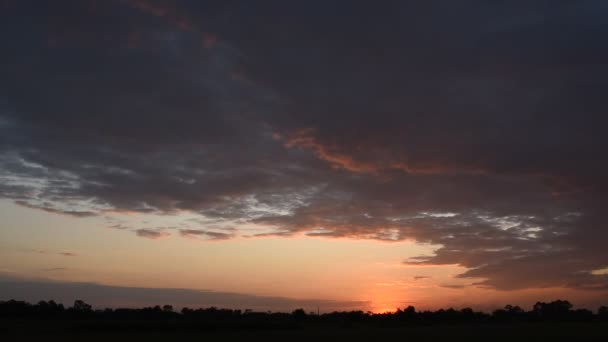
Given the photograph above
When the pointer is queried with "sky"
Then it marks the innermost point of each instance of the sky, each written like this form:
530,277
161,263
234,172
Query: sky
340,155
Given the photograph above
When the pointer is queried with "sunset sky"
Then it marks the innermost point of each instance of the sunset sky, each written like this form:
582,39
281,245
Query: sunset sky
271,155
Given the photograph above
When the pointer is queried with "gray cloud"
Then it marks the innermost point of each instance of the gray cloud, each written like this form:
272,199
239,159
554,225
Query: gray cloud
44,251
101,296
151,233
210,235
453,286
52,210
54,269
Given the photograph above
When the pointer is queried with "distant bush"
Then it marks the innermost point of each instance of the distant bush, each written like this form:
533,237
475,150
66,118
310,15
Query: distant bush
213,318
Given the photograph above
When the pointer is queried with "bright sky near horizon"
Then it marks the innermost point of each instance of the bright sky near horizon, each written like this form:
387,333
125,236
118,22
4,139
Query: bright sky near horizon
364,274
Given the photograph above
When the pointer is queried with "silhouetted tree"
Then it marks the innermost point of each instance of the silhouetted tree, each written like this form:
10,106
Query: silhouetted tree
513,309
212,318
81,306
406,315
299,314
410,310
602,312
558,309
509,313
582,315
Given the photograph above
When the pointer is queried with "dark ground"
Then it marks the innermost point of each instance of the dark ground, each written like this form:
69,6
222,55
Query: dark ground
491,332
50,321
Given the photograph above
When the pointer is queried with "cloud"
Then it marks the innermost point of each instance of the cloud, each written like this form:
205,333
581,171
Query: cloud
479,129
150,7
173,16
52,210
101,296
118,226
210,235
303,139
162,9
209,40
453,286
43,251
54,269
151,234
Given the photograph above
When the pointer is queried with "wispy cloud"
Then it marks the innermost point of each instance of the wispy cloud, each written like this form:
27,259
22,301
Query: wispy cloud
49,209
99,295
54,269
209,235
152,234
43,251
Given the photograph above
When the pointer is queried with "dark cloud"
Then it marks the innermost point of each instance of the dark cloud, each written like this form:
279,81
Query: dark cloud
49,209
475,126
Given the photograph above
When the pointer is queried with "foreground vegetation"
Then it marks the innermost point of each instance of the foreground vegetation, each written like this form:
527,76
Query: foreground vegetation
555,321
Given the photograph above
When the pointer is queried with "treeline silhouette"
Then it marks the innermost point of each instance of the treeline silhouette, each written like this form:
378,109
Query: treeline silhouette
81,314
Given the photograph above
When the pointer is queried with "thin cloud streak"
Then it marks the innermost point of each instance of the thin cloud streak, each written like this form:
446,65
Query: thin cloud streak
98,295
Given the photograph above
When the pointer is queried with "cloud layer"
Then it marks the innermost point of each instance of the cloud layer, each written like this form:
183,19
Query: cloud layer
478,127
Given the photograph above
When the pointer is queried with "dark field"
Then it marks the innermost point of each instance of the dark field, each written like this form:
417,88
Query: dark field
50,321
518,332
